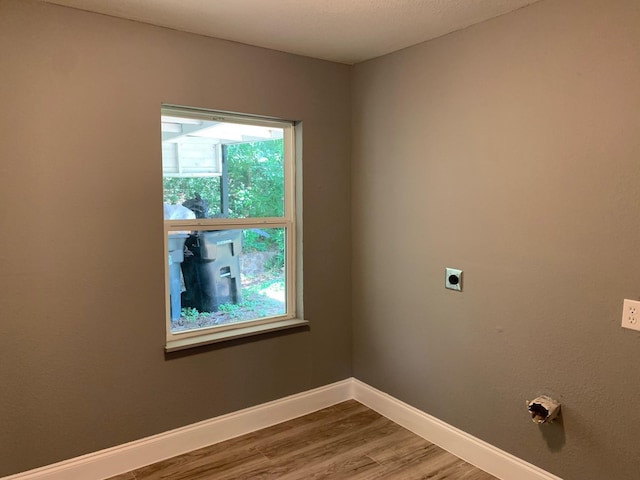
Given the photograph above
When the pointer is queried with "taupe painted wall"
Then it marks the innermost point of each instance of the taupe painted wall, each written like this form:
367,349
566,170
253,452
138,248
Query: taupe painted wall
81,278
510,150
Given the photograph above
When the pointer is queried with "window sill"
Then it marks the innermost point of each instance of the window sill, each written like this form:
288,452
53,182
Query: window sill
216,337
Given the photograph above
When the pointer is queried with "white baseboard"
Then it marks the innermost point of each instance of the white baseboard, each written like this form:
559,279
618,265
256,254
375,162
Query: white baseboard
127,457
467,447
133,455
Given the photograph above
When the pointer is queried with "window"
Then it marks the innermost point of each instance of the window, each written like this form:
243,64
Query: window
229,217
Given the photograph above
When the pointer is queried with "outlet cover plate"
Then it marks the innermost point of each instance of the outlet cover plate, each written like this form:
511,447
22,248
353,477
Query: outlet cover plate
453,279
631,314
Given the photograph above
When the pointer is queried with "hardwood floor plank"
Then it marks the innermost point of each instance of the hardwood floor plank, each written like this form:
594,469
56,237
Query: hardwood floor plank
400,446
359,446
329,434
244,447
465,471
298,452
124,476
338,455
425,461
345,441
430,462
346,468
203,463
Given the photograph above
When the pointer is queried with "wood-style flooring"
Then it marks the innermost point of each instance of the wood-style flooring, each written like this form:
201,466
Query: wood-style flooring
344,441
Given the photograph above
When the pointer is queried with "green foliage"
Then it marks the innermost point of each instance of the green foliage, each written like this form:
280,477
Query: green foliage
190,314
233,310
272,239
275,263
256,179
254,303
177,190
256,189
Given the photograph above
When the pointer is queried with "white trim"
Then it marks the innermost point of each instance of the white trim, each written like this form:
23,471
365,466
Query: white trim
133,455
467,447
124,458
239,331
288,222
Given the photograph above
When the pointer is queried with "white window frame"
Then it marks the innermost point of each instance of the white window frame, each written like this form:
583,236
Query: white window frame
191,338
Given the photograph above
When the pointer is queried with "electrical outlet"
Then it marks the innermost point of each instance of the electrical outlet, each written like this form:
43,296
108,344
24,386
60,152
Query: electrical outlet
631,314
453,279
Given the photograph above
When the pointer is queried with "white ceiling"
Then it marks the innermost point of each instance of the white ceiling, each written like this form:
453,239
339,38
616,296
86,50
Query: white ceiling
345,31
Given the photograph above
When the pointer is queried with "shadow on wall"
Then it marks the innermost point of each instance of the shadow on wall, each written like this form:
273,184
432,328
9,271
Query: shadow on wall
554,434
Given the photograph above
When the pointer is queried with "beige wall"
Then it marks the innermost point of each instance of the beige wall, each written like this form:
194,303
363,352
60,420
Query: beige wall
81,279
510,150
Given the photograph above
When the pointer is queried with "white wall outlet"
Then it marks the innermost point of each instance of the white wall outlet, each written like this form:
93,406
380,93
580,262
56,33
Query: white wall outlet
453,279
631,314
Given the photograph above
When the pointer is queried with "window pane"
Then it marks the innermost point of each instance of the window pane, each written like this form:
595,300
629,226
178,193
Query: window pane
218,277
256,179
223,169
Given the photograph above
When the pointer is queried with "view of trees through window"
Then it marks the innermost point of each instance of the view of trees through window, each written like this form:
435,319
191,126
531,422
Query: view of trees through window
220,275
256,189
